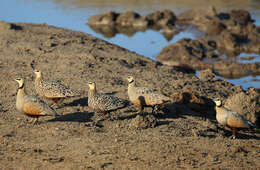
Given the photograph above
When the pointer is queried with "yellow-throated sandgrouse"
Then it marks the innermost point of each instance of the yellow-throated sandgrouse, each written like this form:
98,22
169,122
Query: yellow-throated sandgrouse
103,103
31,105
143,96
230,118
51,90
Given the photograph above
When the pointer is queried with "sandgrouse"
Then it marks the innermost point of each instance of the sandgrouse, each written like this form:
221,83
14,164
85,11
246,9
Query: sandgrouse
51,90
103,103
230,118
143,96
31,105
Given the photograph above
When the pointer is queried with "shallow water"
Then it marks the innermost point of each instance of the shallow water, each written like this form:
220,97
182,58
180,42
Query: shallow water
74,14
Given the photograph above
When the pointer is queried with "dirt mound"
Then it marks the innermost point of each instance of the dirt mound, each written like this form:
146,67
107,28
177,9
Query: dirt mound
247,105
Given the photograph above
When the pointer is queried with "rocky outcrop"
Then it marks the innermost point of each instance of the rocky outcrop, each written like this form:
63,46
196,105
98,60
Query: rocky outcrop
227,35
110,23
200,54
108,18
131,19
162,18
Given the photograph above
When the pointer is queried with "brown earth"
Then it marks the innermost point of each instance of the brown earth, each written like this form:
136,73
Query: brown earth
184,134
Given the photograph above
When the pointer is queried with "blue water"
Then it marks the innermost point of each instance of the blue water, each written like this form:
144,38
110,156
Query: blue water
67,14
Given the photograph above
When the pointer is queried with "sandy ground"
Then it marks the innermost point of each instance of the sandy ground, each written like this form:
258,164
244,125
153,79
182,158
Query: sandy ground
183,137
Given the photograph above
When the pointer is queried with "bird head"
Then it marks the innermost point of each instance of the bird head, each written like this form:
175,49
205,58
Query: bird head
217,102
37,73
20,81
92,85
130,79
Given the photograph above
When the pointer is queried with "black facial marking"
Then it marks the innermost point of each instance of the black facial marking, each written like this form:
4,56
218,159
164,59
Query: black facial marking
20,87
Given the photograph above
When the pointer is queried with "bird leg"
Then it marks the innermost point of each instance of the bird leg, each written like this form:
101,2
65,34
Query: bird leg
57,102
140,108
234,131
155,109
102,114
35,121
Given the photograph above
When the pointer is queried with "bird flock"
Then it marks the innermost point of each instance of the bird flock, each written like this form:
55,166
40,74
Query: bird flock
56,92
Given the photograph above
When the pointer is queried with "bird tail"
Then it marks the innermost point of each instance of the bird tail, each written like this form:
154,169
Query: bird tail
53,112
56,114
73,93
167,101
251,124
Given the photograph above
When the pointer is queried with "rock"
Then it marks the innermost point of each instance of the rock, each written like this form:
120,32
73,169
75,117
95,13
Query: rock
131,19
227,43
182,52
231,44
240,16
169,32
236,21
214,27
199,16
235,70
143,122
161,18
191,53
206,74
202,18
246,104
106,19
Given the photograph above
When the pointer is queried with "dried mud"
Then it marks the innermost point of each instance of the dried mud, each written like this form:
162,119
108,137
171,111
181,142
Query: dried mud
183,135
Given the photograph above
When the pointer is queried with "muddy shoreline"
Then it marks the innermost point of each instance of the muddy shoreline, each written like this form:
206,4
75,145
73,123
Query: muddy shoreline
186,134
225,35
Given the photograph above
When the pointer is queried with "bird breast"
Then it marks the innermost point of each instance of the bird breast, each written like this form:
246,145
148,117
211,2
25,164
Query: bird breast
221,115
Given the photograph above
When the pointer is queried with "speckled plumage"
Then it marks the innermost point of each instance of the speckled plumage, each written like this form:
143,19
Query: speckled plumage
31,105
143,96
230,118
103,102
52,90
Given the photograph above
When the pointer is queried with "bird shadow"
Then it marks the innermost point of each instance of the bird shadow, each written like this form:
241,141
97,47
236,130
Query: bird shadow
127,117
190,105
226,133
163,122
73,117
81,101
246,134
111,93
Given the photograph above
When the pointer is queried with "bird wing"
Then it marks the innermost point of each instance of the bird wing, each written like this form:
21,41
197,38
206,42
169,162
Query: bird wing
234,119
109,102
56,89
152,97
33,106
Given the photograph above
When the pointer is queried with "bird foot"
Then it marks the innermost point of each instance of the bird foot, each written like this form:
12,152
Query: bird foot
233,137
156,109
36,122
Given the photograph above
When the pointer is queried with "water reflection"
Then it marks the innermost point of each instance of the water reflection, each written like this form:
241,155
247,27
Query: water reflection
245,82
245,58
111,31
